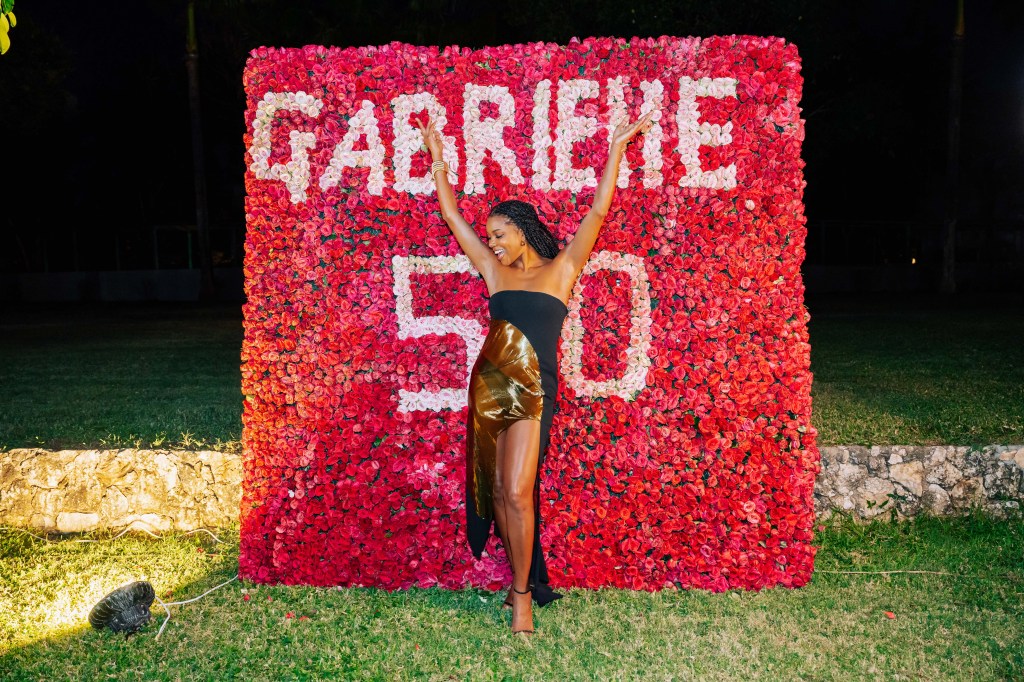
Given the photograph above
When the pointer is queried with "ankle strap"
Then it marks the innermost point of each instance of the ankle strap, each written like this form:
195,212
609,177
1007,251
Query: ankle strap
527,591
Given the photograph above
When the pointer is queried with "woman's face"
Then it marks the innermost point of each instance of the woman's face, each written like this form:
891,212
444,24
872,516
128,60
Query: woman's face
505,239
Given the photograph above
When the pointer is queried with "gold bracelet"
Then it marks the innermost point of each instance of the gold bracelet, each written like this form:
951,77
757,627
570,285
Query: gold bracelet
437,167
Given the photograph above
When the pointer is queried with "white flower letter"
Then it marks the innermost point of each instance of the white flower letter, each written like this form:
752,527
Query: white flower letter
572,129
410,326
541,136
486,134
693,135
408,141
363,124
654,98
638,360
295,173
617,114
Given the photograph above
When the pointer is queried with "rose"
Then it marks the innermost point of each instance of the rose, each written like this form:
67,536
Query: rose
701,478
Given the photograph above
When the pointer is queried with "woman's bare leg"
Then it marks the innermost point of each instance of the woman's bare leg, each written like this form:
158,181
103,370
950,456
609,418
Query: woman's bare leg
517,461
498,497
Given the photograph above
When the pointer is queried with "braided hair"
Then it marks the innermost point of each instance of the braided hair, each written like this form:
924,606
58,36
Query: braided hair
524,216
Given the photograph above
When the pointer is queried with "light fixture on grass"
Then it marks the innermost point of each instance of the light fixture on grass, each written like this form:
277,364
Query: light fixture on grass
126,609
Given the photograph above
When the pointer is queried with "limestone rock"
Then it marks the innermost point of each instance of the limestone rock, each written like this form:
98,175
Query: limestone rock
877,464
75,522
936,457
875,497
849,478
114,504
1018,458
935,500
75,491
944,474
1004,481
910,475
967,493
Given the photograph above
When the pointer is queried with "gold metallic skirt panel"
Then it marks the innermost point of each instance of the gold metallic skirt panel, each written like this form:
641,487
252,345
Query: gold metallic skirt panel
505,387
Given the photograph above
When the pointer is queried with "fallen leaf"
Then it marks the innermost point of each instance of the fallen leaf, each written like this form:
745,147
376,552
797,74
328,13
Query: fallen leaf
890,615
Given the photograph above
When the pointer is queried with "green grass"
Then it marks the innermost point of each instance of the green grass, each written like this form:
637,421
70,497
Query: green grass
886,371
918,371
968,625
121,376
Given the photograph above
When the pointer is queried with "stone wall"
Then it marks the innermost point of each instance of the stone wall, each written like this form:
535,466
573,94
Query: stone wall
865,482
82,490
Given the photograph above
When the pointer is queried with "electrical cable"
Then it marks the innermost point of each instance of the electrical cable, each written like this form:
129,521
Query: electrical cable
126,529
187,601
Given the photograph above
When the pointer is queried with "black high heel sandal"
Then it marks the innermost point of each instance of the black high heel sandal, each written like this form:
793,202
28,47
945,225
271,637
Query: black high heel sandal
527,591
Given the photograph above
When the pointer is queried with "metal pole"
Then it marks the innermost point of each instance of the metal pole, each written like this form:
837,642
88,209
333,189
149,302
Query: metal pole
953,155
202,215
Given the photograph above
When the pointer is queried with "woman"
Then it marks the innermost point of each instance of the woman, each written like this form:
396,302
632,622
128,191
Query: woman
514,382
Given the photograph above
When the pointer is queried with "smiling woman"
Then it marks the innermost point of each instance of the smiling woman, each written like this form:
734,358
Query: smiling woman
514,383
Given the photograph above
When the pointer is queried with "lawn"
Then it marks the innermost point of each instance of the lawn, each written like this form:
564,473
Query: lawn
918,370
121,376
909,371
963,620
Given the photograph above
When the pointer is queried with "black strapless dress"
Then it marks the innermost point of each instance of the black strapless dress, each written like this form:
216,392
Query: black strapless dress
515,377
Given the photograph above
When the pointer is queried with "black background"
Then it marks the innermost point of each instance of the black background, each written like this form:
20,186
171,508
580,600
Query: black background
96,129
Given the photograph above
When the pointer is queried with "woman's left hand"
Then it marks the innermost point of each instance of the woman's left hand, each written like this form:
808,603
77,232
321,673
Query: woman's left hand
624,132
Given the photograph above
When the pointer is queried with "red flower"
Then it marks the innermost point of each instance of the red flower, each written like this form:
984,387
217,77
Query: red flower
704,478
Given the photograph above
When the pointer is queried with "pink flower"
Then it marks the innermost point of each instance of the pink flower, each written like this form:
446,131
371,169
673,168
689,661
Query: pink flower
681,454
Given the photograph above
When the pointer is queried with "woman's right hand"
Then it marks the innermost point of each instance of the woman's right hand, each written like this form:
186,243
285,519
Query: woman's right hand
625,131
431,138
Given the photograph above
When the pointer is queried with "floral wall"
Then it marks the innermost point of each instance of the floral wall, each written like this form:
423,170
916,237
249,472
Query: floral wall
682,451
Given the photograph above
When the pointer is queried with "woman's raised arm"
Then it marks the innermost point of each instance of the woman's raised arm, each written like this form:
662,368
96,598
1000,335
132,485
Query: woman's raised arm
575,255
482,258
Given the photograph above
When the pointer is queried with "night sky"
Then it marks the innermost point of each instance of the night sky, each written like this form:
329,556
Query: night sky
94,108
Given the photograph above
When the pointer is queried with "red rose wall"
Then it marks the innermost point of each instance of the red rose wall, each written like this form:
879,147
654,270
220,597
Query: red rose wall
682,452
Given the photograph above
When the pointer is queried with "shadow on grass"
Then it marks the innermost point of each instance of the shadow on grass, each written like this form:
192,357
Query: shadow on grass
894,373
121,376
